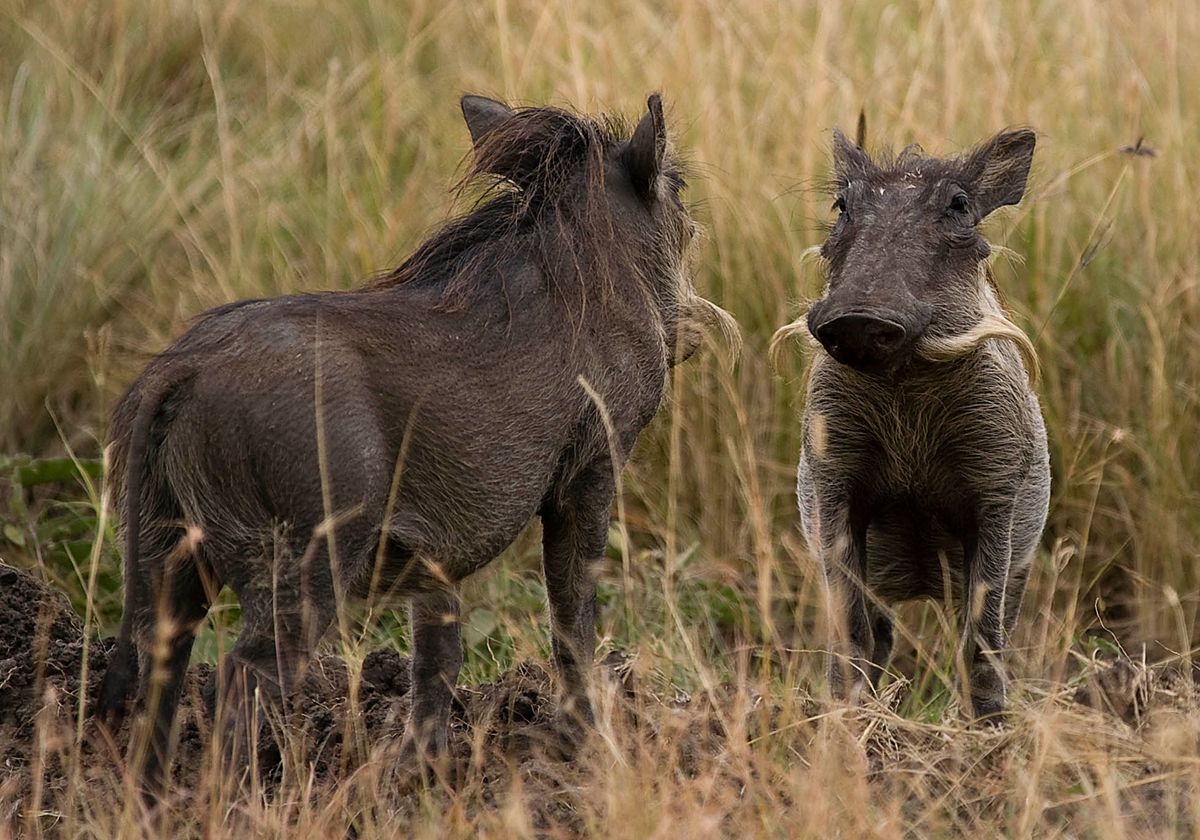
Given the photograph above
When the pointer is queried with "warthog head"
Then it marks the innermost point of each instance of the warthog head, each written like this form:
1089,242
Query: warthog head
904,255
622,199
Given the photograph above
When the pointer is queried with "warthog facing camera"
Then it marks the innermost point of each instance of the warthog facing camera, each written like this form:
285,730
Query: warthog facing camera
924,471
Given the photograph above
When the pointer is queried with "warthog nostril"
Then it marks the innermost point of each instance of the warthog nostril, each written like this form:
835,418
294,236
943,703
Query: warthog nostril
885,336
861,340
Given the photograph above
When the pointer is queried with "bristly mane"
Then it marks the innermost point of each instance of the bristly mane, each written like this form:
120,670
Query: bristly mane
886,164
543,171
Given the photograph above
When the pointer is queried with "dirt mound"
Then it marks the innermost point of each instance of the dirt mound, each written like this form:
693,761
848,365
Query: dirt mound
343,716
41,657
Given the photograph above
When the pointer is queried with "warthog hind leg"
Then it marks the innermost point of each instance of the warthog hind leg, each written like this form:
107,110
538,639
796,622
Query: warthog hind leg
165,650
283,619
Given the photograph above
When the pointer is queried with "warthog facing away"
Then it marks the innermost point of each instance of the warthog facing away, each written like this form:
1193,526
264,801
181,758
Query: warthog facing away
393,439
924,471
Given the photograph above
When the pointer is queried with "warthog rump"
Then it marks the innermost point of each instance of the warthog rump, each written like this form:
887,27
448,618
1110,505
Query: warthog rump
393,439
924,471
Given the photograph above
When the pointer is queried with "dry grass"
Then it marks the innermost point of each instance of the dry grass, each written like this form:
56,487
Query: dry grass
157,158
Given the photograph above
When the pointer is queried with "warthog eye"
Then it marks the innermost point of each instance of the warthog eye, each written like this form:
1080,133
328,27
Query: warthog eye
839,205
959,204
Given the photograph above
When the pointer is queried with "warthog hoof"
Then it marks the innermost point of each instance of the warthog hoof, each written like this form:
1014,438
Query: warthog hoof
986,696
424,758
849,678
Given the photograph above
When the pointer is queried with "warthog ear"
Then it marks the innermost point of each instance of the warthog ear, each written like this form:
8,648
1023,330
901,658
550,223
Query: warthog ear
996,172
483,115
647,149
849,159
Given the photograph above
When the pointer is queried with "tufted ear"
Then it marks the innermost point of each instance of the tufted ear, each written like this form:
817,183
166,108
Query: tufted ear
995,174
849,159
483,115
647,149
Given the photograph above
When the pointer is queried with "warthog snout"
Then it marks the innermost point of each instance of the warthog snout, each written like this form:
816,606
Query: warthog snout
862,341
867,341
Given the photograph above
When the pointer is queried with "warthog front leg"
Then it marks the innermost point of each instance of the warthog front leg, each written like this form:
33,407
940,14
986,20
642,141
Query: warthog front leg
437,659
853,659
987,615
574,535
884,639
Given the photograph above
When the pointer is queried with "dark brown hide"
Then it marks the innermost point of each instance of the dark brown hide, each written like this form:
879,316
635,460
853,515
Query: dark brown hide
394,439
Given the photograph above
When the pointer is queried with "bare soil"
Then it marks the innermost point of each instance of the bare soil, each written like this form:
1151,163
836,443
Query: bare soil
501,731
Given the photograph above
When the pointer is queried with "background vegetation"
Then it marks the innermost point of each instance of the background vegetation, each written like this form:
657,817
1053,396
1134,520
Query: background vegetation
161,157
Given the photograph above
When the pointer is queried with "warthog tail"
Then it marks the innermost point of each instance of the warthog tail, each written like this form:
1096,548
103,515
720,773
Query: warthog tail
121,675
